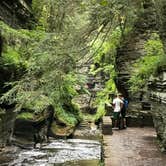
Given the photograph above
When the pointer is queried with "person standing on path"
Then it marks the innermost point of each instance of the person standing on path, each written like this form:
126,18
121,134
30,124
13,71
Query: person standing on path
117,105
123,112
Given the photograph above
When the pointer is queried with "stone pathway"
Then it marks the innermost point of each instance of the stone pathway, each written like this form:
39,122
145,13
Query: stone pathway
132,147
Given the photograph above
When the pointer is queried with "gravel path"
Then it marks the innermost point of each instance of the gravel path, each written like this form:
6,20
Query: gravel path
133,147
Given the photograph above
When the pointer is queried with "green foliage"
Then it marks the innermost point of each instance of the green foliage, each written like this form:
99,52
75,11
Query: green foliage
69,117
49,77
106,54
20,38
17,45
42,13
100,111
104,2
11,56
59,16
115,19
2,111
110,87
147,65
105,58
103,96
25,115
11,34
65,32
34,101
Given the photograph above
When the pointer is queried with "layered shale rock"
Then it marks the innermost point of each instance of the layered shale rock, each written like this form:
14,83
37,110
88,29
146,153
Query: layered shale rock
153,100
16,13
157,85
6,126
132,48
157,88
160,6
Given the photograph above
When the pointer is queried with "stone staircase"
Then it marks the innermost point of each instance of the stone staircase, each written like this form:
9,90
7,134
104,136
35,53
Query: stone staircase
84,125
88,130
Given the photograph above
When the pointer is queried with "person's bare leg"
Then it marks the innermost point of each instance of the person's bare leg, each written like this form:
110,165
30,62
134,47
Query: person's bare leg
116,123
124,123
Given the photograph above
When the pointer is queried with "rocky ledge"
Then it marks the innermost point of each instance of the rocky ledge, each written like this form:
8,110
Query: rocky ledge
16,13
157,87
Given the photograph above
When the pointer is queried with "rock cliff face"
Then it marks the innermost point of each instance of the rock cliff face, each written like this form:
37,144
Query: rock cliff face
132,47
6,126
17,14
131,50
157,86
160,6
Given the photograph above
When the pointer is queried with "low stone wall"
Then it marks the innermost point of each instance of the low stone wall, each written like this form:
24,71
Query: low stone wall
107,125
7,118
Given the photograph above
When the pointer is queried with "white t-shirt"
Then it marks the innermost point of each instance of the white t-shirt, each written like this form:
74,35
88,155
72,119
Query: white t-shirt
117,102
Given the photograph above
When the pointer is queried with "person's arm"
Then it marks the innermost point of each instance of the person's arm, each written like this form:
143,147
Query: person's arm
113,104
127,102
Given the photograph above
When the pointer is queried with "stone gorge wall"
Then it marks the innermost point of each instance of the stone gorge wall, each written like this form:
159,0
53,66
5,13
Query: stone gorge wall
160,6
131,50
17,14
157,86
7,119
132,47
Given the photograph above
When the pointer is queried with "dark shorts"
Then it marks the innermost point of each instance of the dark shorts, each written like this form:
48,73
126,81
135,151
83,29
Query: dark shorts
116,115
123,113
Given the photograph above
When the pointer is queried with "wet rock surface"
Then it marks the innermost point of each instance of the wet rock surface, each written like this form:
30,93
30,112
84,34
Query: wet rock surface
58,152
159,119
157,89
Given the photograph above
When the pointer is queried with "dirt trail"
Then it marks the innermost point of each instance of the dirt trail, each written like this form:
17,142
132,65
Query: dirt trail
133,147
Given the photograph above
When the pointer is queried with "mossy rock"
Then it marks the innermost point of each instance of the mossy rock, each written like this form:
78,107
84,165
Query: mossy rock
59,130
26,116
2,112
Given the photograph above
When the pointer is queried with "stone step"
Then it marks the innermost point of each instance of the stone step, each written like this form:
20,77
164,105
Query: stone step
84,124
88,130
